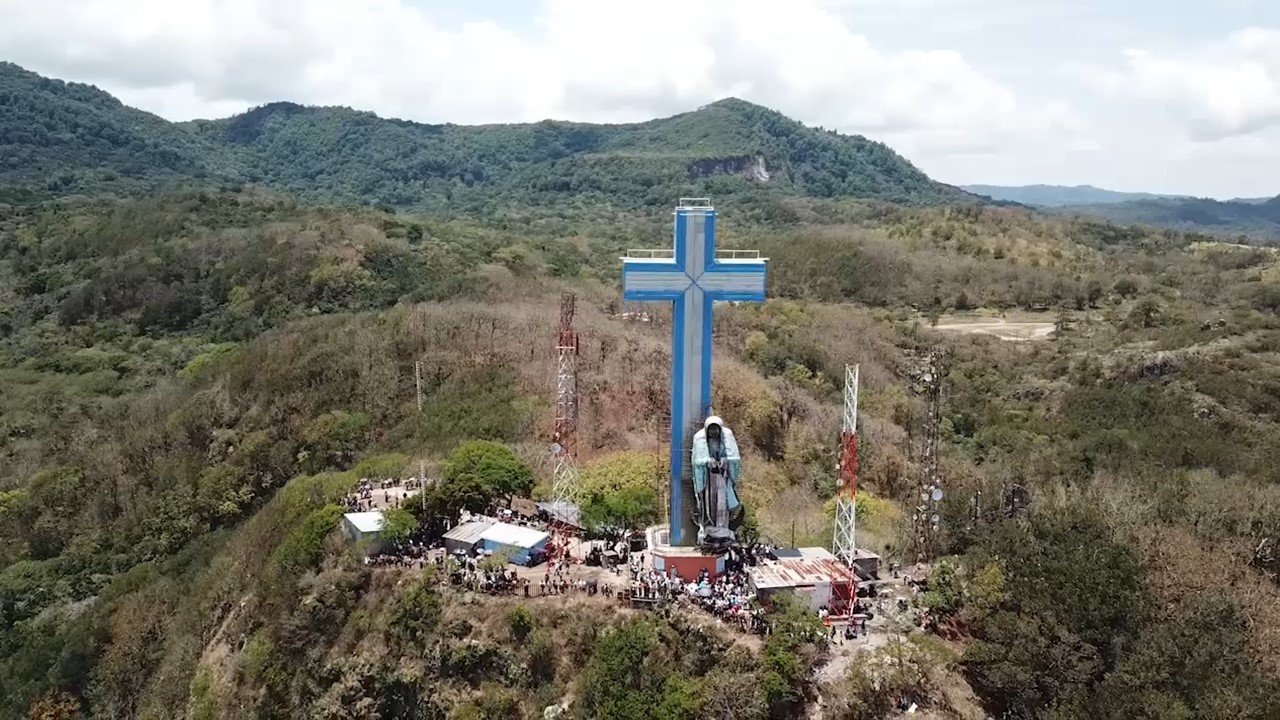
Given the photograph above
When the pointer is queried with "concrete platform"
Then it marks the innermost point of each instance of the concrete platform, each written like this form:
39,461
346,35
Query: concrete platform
688,562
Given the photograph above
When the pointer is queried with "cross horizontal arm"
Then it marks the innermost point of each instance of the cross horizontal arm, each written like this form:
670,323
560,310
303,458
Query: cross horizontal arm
742,281
653,280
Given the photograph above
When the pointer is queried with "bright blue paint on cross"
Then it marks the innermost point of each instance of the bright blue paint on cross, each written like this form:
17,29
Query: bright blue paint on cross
692,280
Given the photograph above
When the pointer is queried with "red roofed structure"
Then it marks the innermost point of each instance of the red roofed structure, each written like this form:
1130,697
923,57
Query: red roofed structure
813,575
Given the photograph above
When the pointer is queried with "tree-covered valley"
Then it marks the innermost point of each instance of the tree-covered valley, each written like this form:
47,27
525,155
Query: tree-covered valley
208,334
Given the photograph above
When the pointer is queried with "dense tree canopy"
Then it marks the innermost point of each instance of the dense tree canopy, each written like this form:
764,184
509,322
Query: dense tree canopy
491,465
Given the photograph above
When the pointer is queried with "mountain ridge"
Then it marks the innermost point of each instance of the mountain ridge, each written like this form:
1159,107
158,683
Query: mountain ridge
1058,195
86,140
1251,220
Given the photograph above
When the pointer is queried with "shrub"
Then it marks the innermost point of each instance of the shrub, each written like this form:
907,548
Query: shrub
303,547
521,623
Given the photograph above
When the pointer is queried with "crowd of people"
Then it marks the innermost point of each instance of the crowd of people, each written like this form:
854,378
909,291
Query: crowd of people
411,553
392,492
727,597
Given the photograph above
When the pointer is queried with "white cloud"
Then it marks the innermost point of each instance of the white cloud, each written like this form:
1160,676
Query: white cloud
597,61
1226,89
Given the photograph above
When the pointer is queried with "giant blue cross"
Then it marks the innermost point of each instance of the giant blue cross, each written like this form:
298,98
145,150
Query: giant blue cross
691,279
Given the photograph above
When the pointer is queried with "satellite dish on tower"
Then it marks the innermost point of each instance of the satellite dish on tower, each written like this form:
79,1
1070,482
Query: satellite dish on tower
556,449
937,494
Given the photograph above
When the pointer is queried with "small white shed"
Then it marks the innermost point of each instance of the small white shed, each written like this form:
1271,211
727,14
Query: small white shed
362,526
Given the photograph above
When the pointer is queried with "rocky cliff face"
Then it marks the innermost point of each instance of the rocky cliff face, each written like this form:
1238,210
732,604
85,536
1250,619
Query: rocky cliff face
751,166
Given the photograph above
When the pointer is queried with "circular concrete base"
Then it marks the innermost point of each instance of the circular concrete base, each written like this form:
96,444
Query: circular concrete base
686,562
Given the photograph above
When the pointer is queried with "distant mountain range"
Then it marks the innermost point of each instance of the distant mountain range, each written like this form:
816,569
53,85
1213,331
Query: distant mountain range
1254,218
1059,195
68,138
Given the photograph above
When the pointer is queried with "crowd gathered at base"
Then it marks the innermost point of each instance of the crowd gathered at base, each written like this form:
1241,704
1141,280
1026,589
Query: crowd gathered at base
392,493
728,597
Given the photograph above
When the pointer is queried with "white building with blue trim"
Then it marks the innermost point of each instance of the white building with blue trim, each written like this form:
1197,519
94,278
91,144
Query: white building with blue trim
514,542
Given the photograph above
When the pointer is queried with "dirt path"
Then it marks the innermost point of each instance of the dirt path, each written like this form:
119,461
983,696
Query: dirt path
1003,329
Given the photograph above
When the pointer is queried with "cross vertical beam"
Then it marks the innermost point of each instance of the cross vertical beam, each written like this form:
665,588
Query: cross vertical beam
692,278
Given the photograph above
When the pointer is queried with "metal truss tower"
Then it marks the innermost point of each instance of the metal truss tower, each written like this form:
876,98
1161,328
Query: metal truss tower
844,543
926,382
564,451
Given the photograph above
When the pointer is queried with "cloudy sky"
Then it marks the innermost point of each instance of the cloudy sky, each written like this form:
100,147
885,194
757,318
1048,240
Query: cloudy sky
1177,96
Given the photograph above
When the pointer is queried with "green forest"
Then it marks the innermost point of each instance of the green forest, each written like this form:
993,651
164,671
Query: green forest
209,331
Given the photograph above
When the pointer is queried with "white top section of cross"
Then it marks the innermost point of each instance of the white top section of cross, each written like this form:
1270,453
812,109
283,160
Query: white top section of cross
693,265
691,203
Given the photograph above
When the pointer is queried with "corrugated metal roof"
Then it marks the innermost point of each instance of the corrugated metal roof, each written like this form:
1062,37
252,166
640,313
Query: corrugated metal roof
468,532
365,522
817,553
514,535
798,572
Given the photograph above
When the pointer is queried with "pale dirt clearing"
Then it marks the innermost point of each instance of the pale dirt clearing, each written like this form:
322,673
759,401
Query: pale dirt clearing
1003,329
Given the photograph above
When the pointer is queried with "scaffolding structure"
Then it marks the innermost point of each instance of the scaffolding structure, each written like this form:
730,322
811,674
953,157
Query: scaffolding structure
566,489
926,372
844,543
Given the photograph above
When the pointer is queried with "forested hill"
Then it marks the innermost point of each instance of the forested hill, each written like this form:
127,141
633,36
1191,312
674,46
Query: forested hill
192,382
76,139
67,137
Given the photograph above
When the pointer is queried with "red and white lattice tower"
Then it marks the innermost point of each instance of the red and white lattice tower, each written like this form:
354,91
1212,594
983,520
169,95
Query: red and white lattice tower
844,543
564,451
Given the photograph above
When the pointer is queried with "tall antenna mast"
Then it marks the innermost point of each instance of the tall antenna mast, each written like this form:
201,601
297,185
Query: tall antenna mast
417,382
926,379
566,490
845,541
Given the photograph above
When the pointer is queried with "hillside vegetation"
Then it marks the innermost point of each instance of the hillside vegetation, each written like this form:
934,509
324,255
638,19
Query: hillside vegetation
193,378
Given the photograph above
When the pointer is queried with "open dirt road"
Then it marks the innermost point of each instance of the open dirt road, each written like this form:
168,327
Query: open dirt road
1002,329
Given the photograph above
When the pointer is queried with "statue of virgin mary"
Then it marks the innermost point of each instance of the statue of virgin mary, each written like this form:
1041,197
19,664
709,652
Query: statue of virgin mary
716,472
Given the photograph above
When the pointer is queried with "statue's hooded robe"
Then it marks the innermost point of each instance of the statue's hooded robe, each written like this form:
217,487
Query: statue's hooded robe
716,468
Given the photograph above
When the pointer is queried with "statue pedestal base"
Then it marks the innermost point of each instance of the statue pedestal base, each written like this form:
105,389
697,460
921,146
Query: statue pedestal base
687,562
